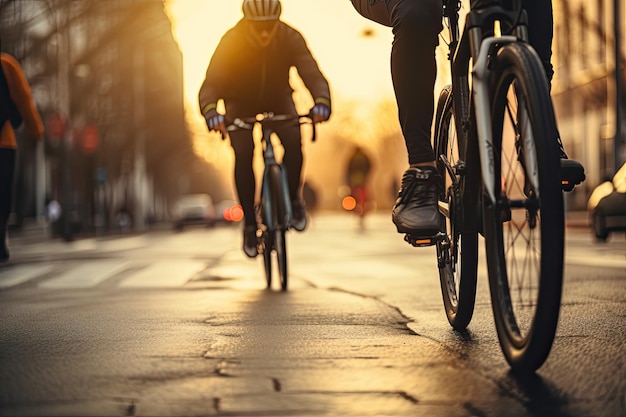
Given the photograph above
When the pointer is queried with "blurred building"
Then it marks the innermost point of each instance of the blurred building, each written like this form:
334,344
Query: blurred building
110,71
584,88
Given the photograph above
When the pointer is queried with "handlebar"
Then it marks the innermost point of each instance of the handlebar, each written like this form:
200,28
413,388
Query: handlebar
270,118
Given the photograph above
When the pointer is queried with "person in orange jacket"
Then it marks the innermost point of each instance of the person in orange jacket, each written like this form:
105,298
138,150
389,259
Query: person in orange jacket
18,107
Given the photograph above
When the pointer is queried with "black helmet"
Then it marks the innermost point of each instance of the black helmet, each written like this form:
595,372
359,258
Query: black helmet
259,10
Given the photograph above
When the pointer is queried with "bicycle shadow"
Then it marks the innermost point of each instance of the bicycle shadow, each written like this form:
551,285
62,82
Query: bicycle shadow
538,395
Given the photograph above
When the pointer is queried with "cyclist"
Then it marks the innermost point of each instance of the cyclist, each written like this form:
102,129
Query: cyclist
416,26
249,71
17,106
357,178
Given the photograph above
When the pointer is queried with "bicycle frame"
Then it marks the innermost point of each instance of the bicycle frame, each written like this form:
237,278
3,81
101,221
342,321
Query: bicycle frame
473,45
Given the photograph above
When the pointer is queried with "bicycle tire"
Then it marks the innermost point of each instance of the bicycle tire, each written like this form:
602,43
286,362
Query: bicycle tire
281,257
528,217
279,218
458,254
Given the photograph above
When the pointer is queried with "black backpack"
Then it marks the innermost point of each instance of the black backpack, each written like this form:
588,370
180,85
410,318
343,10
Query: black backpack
8,110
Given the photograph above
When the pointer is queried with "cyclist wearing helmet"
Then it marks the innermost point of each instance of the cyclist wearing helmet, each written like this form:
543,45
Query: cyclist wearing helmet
416,26
249,71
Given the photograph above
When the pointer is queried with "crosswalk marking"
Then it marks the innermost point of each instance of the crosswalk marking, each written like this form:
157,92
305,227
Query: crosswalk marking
86,275
170,274
10,277
165,274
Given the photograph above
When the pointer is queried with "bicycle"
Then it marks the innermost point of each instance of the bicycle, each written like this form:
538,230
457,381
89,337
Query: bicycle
495,137
274,212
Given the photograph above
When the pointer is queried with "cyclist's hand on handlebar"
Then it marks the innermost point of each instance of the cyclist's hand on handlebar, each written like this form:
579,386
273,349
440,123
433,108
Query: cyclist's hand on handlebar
320,113
215,122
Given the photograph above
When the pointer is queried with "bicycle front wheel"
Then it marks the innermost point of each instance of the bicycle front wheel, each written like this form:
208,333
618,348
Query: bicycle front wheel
281,257
524,229
280,221
268,247
458,253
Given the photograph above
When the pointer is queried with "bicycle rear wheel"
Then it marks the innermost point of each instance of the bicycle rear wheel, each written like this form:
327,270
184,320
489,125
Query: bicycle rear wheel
524,229
458,253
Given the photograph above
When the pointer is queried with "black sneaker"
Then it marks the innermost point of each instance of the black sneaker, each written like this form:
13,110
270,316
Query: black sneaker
416,212
298,210
572,172
250,241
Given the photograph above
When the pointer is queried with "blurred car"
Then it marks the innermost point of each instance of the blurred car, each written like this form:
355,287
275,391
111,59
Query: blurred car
607,206
193,209
229,211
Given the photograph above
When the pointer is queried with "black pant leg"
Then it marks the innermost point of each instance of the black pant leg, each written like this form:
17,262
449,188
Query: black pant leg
540,31
416,26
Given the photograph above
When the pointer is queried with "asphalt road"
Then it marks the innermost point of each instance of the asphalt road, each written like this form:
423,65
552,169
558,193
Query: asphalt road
181,324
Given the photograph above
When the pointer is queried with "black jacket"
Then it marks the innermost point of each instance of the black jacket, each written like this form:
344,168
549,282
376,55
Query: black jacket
251,79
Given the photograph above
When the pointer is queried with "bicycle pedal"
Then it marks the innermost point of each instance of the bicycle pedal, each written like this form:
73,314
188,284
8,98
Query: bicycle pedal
569,185
423,241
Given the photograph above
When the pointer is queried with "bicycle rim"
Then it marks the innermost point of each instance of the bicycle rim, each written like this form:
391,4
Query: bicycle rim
458,254
524,230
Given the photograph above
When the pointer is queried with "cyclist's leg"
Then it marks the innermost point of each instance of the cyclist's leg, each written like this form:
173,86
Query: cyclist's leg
293,159
243,147
416,25
540,29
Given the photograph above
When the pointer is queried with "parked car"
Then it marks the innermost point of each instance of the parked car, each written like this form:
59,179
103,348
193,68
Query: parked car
193,209
607,206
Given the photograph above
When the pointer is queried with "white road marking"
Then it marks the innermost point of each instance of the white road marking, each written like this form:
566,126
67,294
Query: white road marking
86,275
164,274
19,274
